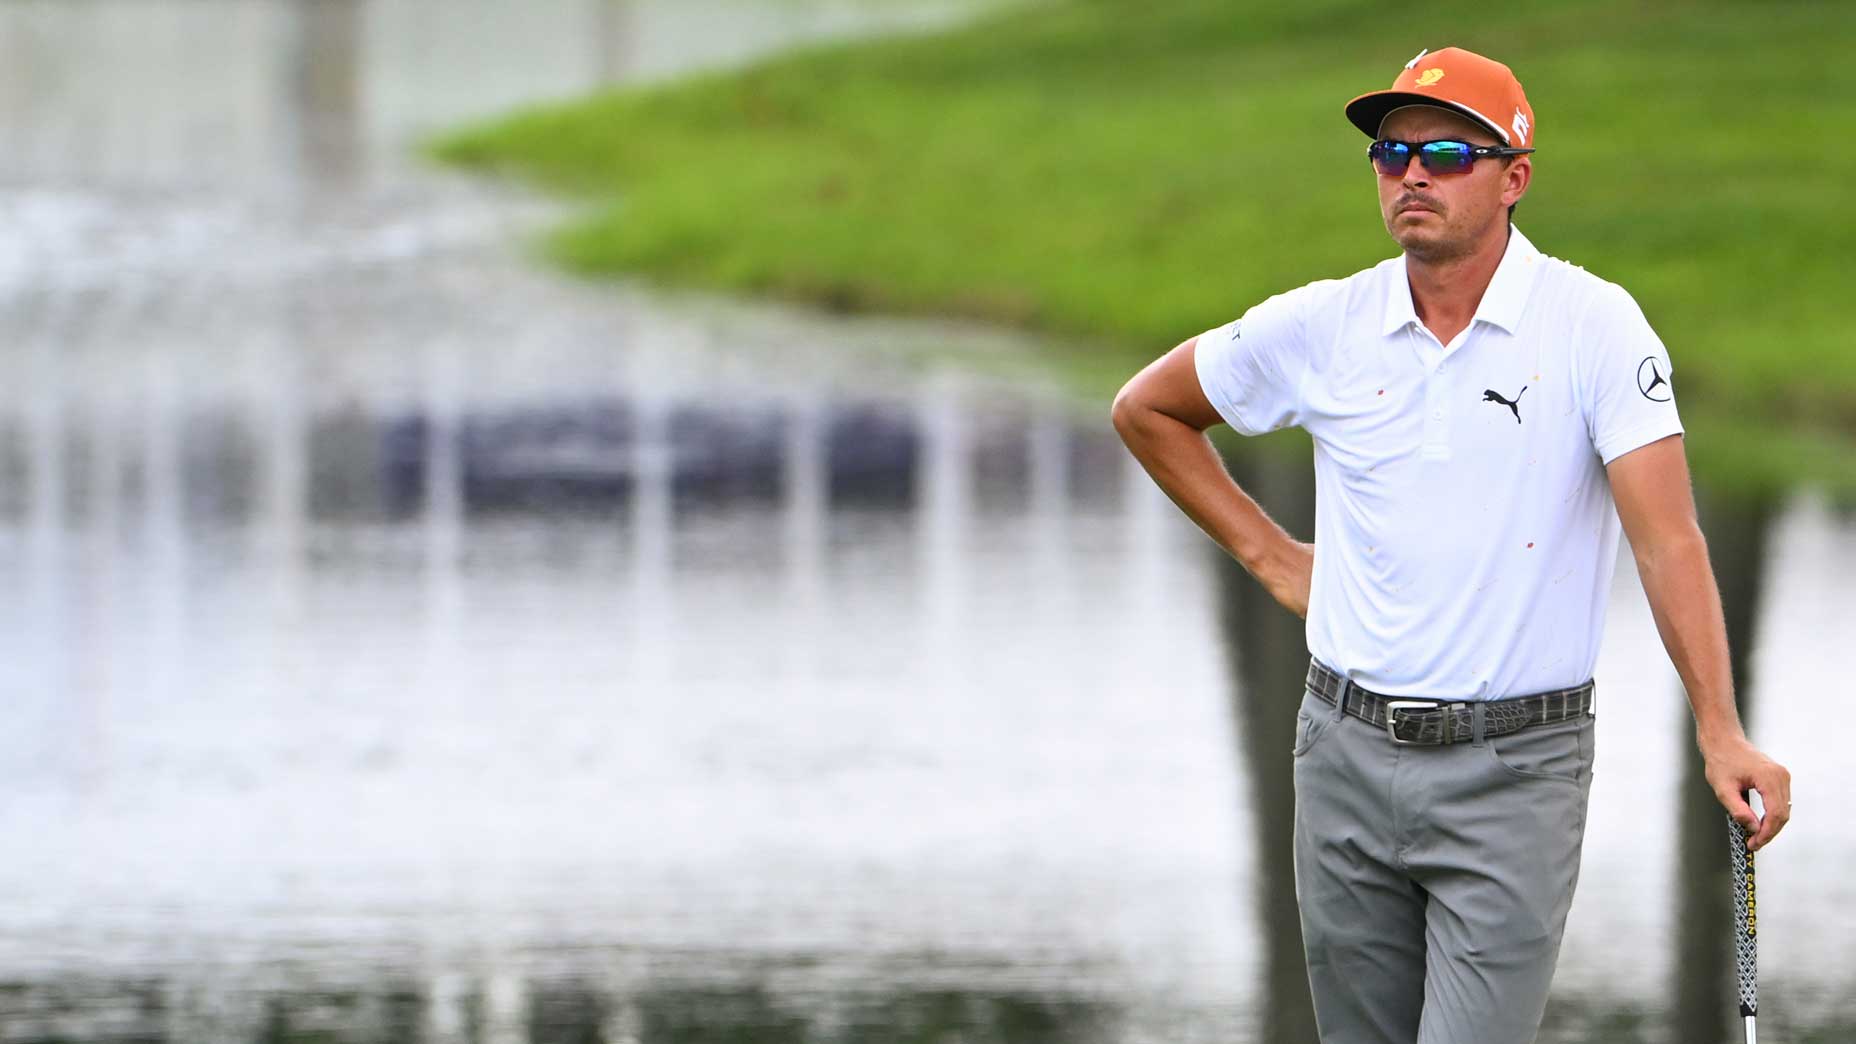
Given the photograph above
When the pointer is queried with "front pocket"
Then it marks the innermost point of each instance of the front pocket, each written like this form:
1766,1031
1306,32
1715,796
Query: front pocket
1309,725
1560,752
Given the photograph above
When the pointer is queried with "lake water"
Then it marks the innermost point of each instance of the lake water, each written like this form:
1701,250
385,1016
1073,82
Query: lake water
410,645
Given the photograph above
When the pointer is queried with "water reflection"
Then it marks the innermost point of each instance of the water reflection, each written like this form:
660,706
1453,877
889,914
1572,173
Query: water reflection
458,1008
460,551
1270,654
1737,530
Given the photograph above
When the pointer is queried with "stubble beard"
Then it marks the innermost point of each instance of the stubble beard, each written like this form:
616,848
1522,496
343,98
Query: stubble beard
1450,244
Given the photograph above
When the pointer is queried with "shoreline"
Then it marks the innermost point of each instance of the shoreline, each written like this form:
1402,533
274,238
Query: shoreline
1056,169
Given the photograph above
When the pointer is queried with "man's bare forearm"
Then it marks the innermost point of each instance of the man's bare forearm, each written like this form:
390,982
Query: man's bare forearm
1186,466
1657,511
1686,603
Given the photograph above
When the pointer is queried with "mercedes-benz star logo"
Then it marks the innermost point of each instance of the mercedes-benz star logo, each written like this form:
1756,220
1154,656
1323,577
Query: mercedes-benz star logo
1651,382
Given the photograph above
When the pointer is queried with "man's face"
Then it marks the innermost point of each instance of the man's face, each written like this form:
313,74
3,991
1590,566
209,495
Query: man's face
1439,217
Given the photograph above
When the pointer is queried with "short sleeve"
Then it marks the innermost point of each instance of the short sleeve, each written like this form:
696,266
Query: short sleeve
1629,391
1251,368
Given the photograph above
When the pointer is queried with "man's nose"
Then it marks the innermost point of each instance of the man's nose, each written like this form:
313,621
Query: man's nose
1415,175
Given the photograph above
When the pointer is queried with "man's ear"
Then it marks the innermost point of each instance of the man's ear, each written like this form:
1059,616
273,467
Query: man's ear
1516,178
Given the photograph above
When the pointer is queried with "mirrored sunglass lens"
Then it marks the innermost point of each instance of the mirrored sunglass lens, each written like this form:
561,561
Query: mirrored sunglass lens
1447,157
1391,157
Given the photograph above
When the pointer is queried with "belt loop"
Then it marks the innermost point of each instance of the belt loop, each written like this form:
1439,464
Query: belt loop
1478,717
1340,696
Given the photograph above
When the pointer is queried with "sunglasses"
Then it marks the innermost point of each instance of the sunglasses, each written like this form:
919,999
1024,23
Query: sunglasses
1390,158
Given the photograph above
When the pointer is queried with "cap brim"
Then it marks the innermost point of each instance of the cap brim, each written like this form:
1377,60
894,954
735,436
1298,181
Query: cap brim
1368,111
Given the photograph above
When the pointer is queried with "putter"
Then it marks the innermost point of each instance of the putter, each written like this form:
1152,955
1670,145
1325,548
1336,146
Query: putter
1746,929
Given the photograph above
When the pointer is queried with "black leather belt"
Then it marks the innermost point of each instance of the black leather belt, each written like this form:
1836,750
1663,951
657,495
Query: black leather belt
1432,722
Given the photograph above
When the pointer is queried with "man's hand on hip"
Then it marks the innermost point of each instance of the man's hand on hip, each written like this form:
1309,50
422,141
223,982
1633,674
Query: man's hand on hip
1289,574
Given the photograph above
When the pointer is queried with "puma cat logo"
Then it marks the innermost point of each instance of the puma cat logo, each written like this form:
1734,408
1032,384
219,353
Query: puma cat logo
1491,395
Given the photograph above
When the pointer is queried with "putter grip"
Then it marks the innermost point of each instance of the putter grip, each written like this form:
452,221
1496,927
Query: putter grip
1746,922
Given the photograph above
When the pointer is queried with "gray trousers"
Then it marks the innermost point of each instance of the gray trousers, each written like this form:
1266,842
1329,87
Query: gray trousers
1434,881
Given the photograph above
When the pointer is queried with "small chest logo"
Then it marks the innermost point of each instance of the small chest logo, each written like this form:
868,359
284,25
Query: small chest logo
1651,382
1430,76
1491,395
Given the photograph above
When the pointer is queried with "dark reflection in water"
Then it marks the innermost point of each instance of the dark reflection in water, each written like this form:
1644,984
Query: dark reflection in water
567,457
580,1010
1268,649
572,1010
554,460
1705,975
395,1012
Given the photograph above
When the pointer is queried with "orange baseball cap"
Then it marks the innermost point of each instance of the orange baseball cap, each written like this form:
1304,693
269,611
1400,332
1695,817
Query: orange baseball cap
1482,89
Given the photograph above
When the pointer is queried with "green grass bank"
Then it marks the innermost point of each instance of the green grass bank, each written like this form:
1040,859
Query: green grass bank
1128,174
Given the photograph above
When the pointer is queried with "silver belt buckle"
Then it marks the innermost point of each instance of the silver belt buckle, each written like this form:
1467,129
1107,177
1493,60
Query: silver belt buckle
1392,709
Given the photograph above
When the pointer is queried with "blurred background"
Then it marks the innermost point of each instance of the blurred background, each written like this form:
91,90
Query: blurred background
411,638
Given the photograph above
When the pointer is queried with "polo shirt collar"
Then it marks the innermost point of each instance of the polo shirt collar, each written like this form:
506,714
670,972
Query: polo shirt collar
1502,302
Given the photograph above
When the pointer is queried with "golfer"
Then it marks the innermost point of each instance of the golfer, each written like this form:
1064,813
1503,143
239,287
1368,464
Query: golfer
1484,416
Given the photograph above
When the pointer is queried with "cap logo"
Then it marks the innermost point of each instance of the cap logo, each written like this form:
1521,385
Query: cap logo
1520,126
1415,58
1430,76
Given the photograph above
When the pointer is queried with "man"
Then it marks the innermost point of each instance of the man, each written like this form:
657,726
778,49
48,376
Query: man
1483,416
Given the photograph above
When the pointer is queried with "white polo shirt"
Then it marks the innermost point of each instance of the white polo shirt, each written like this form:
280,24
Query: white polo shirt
1464,546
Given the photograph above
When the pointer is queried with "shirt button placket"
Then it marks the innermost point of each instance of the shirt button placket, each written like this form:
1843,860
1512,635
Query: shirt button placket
1435,387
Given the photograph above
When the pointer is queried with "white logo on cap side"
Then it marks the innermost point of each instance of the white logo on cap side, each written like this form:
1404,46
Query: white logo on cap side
1520,126
1420,56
